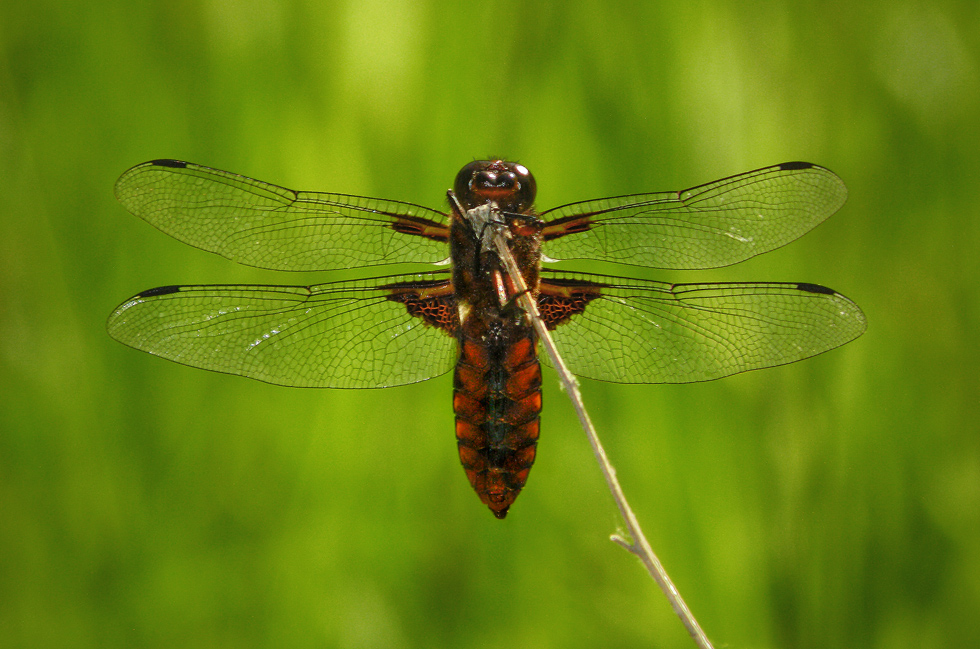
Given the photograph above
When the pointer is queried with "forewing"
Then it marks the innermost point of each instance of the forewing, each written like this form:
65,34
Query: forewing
352,334
712,225
263,225
635,331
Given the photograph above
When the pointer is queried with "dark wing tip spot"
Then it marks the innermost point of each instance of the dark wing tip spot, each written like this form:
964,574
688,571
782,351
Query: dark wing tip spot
160,290
816,288
792,166
176,164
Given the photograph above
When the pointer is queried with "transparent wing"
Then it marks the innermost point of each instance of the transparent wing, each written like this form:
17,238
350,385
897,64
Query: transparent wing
636,331
351,334
259,224
717,224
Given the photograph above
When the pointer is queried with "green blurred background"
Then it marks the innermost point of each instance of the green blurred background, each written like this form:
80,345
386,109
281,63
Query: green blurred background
830,503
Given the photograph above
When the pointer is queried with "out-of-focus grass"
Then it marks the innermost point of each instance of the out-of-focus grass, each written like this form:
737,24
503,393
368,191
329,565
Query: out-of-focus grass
831,503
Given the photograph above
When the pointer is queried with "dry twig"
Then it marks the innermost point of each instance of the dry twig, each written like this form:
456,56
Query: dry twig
639,545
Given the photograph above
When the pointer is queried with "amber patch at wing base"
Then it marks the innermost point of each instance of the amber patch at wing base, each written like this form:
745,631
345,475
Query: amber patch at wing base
559,300
435,305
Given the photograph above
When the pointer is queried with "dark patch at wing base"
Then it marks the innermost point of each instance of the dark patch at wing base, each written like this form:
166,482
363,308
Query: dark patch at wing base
420,227
567,225
433,302
560,299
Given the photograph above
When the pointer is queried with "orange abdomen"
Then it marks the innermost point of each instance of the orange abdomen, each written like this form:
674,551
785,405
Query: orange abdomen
497,400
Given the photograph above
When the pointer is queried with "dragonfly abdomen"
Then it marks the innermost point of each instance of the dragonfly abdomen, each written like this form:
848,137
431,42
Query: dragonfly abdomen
497,401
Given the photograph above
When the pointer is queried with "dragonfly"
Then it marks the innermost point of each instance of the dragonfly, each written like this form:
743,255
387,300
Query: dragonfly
462,314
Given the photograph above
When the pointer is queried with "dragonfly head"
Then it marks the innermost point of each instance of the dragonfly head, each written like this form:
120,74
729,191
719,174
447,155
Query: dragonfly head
508,184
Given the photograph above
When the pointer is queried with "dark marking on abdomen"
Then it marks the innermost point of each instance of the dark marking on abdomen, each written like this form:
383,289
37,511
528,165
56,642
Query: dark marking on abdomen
497,401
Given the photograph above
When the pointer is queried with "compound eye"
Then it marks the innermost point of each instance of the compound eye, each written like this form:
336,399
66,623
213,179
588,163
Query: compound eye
511,186
526,189
461,187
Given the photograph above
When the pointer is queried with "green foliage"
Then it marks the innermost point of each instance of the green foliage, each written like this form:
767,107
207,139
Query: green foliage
830,503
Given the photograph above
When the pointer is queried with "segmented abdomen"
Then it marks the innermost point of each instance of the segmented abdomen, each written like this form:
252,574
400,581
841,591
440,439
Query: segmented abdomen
497,400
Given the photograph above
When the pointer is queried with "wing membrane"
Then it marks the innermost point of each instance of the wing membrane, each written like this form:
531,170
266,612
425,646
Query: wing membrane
712,225
348,334
259,224
636,331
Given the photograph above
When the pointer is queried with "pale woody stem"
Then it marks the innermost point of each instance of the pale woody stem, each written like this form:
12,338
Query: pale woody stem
639,547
